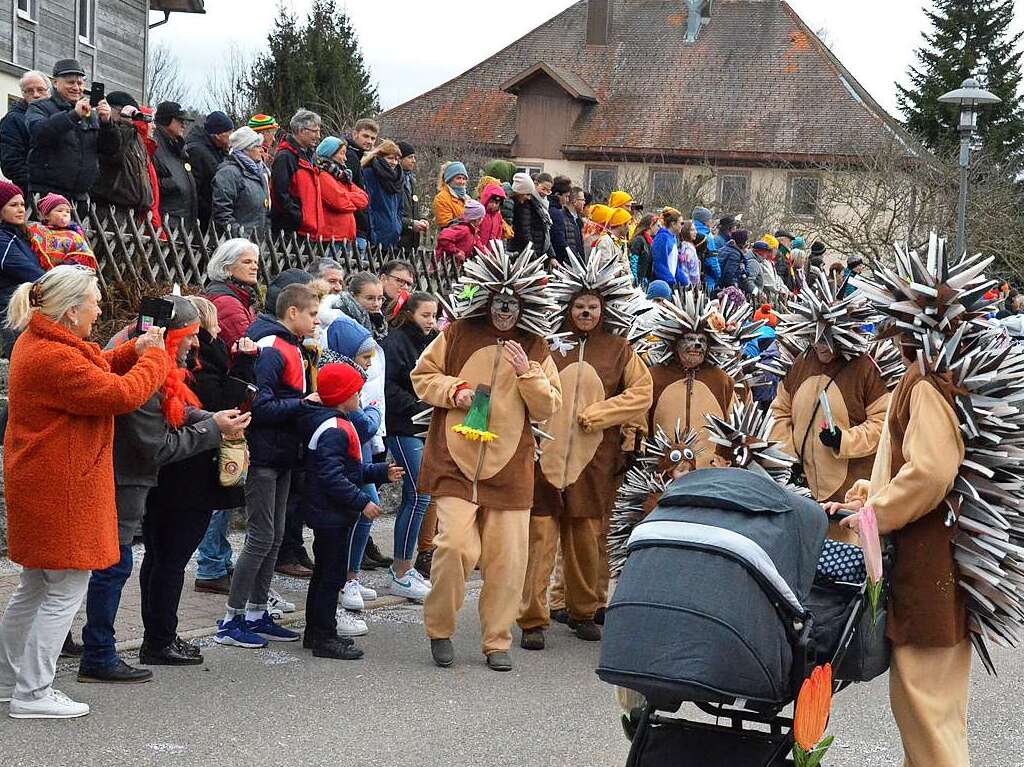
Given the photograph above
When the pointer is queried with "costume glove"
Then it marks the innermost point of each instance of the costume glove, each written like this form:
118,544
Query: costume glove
831,438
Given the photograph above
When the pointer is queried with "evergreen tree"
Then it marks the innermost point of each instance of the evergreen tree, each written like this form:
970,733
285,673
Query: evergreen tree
318,66
969,38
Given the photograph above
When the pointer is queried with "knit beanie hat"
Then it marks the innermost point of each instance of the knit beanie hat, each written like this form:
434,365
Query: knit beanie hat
619,217
175,392
658,289
244,138
818,248
406,149
600,214
740,237
701,214
619,199
474,211
9,191
771,239
761,245
523,184
346,336
503,170
336,382
51,201
328,147
454,169
262,122
218,122
764,312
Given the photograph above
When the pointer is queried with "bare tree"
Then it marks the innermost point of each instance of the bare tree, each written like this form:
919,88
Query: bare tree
164,78
228,87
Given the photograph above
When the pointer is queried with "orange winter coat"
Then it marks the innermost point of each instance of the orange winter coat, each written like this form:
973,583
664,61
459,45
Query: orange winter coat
58,461
447,207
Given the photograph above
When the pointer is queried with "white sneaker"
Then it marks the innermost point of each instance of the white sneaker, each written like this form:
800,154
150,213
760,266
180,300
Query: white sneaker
410,586
352,596
419,576
368,594
56,705
351,625
5,694
277,605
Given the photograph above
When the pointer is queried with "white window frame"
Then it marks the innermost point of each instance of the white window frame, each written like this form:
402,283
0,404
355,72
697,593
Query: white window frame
590,173
793,180
728,205
31,11
530,170
87,34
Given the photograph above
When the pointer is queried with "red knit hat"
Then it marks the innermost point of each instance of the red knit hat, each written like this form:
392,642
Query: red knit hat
8,191
764,312
337,382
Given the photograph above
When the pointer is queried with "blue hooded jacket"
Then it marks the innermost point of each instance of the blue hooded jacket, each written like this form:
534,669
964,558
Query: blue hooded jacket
665,259
385,211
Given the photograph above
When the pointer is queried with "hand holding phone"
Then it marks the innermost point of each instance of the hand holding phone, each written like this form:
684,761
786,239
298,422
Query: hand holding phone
154,312
97,93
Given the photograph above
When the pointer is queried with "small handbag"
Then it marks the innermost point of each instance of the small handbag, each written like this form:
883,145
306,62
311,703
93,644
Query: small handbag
233,462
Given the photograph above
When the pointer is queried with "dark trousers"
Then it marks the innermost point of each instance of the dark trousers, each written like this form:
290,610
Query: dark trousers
101,603
291,546
171,535
330,568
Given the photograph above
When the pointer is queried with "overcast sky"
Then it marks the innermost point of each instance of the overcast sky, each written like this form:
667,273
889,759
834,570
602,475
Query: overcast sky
412,46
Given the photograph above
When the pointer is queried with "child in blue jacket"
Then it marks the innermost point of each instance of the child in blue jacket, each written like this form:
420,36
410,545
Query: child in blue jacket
333,501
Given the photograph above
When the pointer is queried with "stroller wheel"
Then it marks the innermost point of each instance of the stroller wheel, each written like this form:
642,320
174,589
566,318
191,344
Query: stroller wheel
630,722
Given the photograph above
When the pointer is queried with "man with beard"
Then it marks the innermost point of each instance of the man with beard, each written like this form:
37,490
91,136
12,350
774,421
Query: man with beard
836,446
606,393
488,375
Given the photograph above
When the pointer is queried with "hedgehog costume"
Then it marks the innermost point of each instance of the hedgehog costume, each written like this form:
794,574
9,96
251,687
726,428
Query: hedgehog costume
487,376
606,393
825,334
688,343
957,524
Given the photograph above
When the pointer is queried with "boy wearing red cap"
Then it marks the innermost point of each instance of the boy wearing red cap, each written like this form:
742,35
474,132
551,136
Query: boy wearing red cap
333,500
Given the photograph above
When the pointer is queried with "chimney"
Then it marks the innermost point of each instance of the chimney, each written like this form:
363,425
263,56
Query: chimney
599,22
697,17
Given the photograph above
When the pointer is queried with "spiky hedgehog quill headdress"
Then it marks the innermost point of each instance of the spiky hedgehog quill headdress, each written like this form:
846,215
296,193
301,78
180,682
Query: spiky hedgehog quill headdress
938,308
820,314
693,312
495,271
746,436
598,275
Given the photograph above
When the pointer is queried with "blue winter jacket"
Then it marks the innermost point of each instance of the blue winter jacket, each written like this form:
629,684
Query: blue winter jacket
18,264
335,473
732,263
703,232
281,380
712,272
385,211
665,259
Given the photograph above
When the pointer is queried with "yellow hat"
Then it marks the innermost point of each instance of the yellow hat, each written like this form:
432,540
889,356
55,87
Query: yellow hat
600,214
619,199
772,241
620,217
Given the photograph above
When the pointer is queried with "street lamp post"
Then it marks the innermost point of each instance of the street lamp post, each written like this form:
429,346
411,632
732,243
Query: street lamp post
970,95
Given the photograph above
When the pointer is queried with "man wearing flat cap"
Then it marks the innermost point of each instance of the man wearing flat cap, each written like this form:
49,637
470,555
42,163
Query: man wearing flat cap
124,175
173,167
68,135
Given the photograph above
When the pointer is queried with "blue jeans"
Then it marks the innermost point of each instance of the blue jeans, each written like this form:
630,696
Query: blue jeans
101,603
359,535
408,452
214,553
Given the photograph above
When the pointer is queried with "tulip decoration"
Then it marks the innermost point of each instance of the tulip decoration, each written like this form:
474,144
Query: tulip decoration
813,705
872,546
474,426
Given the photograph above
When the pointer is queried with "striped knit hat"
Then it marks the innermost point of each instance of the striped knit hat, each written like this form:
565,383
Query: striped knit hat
262,122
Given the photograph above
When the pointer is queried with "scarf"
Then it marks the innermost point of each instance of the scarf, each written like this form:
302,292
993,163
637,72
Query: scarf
389,178
458,192
329,165
257,169
249,290
176,394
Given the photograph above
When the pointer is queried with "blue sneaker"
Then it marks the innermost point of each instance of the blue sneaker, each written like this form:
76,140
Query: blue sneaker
267,629
236,634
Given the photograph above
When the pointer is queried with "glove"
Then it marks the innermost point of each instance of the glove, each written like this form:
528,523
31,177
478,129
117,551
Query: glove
832,439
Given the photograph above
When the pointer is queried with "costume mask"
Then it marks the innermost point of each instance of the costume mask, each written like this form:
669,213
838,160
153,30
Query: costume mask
586,313
504,312
823,352
692,349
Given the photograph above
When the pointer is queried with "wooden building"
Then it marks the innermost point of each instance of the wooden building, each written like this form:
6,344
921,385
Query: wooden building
108,37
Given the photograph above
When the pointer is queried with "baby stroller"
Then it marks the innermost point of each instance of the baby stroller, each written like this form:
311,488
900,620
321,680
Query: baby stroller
720,604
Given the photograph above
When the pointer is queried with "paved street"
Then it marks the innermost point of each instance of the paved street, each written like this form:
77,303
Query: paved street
280,706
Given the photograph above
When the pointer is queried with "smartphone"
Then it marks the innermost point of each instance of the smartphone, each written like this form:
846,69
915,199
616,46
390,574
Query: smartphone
250,394
97,92
242,392
154,312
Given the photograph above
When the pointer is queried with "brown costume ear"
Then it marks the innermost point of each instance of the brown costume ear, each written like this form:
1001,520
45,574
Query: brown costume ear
718,462
651,503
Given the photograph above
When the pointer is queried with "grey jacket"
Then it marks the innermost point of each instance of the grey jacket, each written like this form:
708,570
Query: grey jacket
240,199
143,442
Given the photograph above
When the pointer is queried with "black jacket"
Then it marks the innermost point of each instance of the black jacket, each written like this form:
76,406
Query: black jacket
205,158
124,174
559,243
639,247
335,474
574,232
15,144
402,349
174,174
285,207
528,226
410,212
65,148
194,483
354,162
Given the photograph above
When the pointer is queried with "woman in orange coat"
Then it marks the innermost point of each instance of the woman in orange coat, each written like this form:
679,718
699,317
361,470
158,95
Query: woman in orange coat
59,472
450,200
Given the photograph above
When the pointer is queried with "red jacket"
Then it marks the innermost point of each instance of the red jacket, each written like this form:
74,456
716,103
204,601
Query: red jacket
457,240
341,201
304,188
235,310
492,227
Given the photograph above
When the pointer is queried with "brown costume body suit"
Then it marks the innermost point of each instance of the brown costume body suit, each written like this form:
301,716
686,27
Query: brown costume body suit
683,397
605,385
858,398
483,491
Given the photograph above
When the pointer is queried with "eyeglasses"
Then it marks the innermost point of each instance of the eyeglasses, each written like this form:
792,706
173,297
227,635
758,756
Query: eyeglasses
401,281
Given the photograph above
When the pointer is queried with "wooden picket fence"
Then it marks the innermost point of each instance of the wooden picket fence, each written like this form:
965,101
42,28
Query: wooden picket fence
129,249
